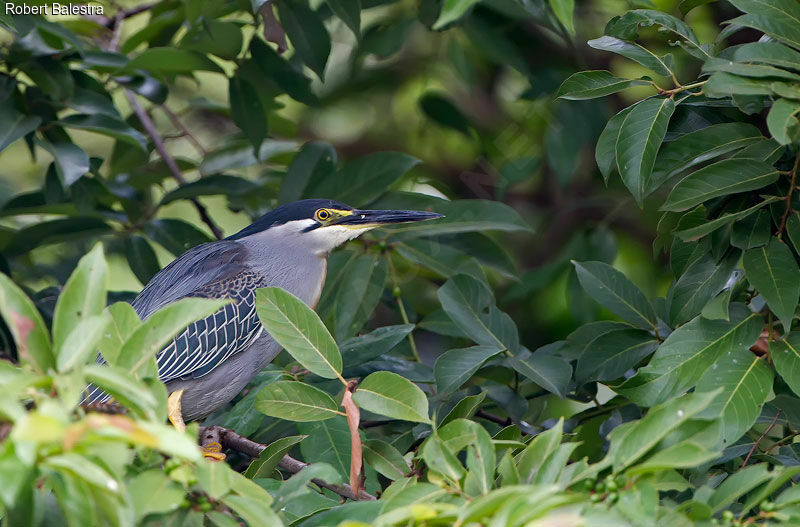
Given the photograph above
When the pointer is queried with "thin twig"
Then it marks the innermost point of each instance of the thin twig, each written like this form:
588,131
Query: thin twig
788,208
182,127
158,141
755,445
233,441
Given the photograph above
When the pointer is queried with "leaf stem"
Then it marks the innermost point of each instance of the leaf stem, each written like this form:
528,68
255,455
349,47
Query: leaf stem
755,445
402,308
788,197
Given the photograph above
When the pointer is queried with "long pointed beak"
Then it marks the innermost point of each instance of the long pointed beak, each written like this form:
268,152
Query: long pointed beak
383,217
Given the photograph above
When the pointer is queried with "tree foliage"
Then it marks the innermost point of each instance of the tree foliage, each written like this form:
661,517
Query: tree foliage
430,375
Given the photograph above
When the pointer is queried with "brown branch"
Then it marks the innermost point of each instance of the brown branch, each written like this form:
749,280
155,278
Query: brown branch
182,127
233,441
788,208
158,141
755,445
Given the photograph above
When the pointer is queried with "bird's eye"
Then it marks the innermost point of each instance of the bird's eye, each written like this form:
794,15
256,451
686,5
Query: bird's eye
322,215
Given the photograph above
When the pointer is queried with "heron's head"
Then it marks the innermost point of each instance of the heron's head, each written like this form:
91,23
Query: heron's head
323,224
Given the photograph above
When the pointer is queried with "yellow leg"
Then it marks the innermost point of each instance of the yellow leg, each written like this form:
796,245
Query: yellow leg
174,410
211,451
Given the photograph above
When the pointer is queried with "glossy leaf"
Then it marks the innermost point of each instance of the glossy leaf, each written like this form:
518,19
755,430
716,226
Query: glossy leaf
364,179
680,362
605,151
307,33
773,271
15,125
593,84
391,395
645,57
699,283
776,18
613,353
728,176
612,289
782,121
785,354
299,330
640,137
545,369
454,367
385,458
295,401
269,458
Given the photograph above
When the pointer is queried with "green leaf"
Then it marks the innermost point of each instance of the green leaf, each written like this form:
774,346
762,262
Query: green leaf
463,215
785,354
252,511
782,121
153,492
563,10
360,287
715,64
364,179
129,392
70,160
297,328
746,382
328,441
593,84
645,57
214,478
82,342
315,161
463,434
83,296
161,327
470,304
220,38
391,395
772,53
142,258
605,152
687,5
630,443
453,10
26,325
724,84
455,367
613,353
176,236
545,369
686,454
738,484
700,146
385,458
773,271
105,125
640,137
307,33
124,321
15,124
699,283
438,457
728,176
465,408
269,458
695,233
247,110
626,27
681,361
282,73
612,289
172,60
365,348
349,11
295,401
776,18
441,109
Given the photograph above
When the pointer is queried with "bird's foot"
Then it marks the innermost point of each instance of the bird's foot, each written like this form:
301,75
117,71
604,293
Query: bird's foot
213,452
174,410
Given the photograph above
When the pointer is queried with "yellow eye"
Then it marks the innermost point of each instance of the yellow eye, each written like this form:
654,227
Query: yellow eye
322,215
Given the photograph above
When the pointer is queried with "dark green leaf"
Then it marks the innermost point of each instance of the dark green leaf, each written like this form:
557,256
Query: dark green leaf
106,125
172,60
776,18
640,137
71,162
549,371
626,27
365,348
613,353
768,53
680,362
728,176
362,180
282,73
438,107
605,152
393,396
269,458
773,271
141,258
633,51
593,84
453,10
220,38
385,458
15,125
611,289
349,11
176,236
454,367
308,34
782,121
699,283
247,111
